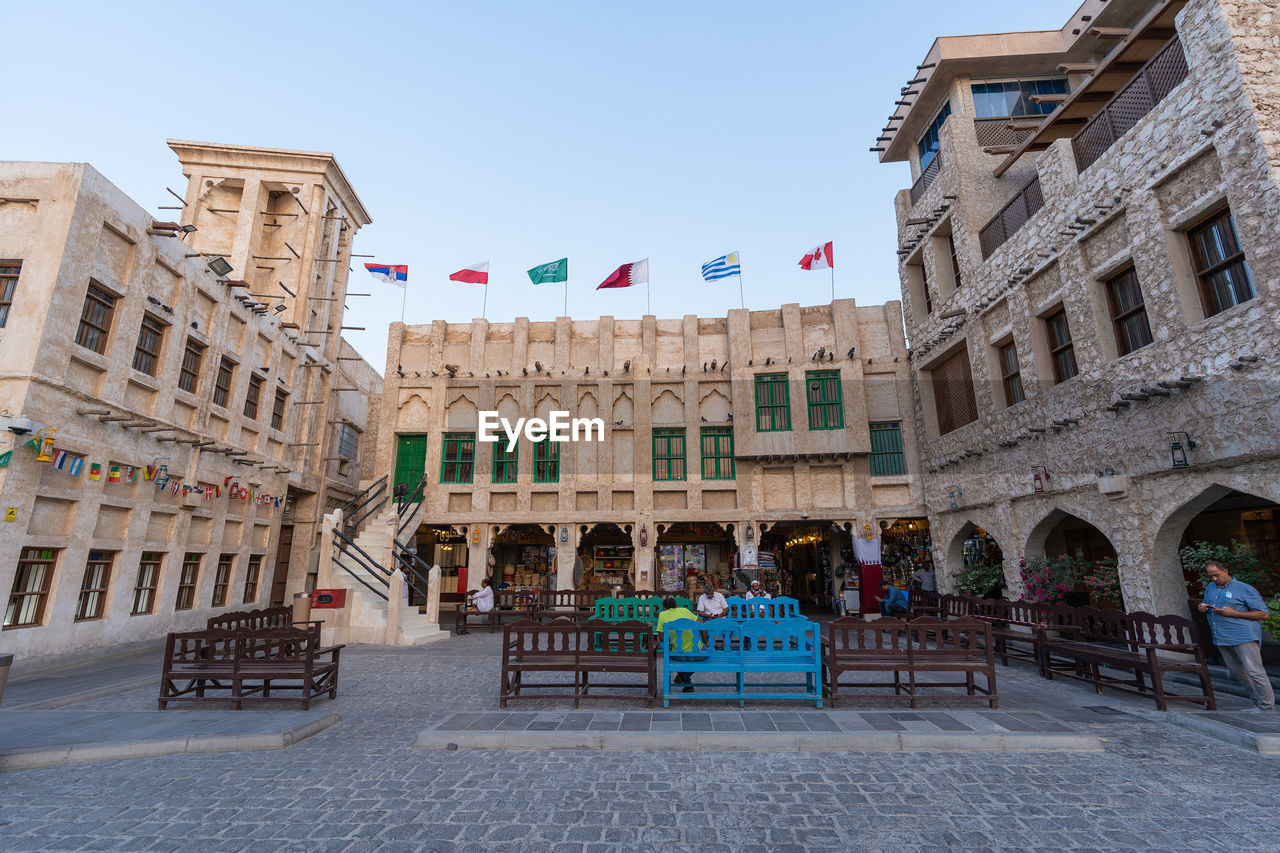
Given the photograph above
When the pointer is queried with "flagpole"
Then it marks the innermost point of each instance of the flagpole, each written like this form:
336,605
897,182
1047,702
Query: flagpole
742,300
833,281
566,297
404,297
484,305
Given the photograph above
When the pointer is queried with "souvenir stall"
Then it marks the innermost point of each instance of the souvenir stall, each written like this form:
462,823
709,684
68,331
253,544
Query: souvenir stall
523,557
688,552
608,557
980,547
905,548
801,553
446,547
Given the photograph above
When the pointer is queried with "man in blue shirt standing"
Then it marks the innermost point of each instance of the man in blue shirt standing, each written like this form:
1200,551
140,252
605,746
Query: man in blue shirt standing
1236,611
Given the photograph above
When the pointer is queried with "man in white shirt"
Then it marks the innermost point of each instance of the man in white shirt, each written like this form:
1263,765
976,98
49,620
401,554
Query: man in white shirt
925,579
757,591
711,604
482,601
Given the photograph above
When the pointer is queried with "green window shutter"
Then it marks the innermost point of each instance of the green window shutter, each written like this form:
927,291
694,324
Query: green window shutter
505,465
546,461
668,454
717,453
826,404
457,460
773,403
411,461
887,459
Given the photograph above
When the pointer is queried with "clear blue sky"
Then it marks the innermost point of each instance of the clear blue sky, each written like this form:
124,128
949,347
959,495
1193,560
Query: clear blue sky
521,132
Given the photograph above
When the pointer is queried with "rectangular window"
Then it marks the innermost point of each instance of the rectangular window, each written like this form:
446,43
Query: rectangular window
278,407
30,587
9,271
773,403
348,441
1010,375
221,579
930,142
93,587
187,581
458,457
504,463
1221,269
887,459
251,578
1128,312
953,392
955,260
1006,98
189,373
222,384
144,589
150,338
95,319
546,461
668,454
717,453
1062,354
253,396
826,406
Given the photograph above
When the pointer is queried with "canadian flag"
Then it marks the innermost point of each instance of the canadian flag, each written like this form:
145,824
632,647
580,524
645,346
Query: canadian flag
820,258
628,275
474,274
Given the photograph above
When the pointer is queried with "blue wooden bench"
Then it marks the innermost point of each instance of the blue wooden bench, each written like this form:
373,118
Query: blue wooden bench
742,649
742,609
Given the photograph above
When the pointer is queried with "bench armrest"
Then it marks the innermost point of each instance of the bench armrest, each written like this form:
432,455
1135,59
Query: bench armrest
331,649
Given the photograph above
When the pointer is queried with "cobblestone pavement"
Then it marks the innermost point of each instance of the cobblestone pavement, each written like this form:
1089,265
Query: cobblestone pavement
360,786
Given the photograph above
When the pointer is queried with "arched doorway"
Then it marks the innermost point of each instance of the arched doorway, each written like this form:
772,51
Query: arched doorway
522,556
975,562
608,557
696,551
1061,534
445,545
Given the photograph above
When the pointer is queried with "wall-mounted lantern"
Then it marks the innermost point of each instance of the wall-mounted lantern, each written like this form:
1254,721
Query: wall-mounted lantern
564,535
955,493
644,536
751,532
1178,449
1039,474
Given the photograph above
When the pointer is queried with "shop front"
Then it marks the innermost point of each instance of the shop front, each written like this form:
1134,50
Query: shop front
906,549
690,552
523,557
795,559
607,555
446,546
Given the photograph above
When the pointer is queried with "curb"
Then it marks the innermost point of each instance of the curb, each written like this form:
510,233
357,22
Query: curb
764,741
93,752
1264,744
84,695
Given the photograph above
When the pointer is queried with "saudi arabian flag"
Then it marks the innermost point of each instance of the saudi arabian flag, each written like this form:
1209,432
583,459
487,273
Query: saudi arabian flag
552,273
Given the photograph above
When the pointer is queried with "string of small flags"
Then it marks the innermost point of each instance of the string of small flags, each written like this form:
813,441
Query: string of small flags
62,460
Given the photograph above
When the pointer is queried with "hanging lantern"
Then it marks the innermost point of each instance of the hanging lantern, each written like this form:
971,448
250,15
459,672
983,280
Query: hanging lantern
1038,475
1182,442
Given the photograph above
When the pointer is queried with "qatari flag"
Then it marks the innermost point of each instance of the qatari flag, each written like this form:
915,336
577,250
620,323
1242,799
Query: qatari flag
628,275
474,274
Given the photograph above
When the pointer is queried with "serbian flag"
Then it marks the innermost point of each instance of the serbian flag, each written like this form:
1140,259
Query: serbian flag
628,275
819,258
397,275
474,274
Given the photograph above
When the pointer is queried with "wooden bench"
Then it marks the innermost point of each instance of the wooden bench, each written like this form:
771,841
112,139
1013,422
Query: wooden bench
202,666
270,617
1024,623
534,648
855,645
1150,646
515,604
960,646
923,603
571,603
742,609
742,649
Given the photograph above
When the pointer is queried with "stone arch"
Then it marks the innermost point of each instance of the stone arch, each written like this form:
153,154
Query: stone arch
623,410
1168,586
414,414
1063,531
508,407
462,413
545,405
668,409
714,407
955,555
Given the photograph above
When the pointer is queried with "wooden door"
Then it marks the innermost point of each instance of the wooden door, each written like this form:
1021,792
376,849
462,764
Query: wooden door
411,461
280,577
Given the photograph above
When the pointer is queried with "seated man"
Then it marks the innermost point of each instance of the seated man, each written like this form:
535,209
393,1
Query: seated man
670,613
894,600
481,600
711,604
757,591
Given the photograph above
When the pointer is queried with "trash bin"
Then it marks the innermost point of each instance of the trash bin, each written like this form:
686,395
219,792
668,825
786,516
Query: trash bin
301,607
5,661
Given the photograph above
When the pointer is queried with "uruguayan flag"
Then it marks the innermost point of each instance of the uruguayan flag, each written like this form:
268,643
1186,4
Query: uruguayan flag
722,267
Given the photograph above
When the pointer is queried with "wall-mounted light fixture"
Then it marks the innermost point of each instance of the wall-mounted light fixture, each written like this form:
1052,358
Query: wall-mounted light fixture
475,536
644,536
750,532
1039,474
955,493
564,535
1178,449
220,266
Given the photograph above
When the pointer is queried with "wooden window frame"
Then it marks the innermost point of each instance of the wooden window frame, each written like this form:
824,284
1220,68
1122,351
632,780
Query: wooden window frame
955,259
189,371
10,271
222,579
221,391
821,409
887,461
1121,317
668,465
347,441
1060,350
1234,263
546,461
188,582
766,385
147,584
949,420
146,354
28,560
717,453
94,585
95,325
279,406
252,574
506,466
253,396
463,468
1010,373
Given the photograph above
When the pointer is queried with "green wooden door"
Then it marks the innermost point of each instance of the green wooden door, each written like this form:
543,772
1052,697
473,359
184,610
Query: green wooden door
411,461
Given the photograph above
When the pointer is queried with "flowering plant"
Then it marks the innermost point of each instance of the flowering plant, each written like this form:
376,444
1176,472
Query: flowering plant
1102,580
1050,581
982,580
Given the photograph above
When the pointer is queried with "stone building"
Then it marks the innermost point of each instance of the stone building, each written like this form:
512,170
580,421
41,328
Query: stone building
201,417
752,444
1089,262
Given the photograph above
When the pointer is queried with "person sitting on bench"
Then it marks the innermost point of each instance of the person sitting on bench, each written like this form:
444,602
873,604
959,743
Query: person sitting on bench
894,600
670,612
481,600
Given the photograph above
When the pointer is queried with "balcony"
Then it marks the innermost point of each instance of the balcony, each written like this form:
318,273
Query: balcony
926,178
1153,82
1011,217
997,133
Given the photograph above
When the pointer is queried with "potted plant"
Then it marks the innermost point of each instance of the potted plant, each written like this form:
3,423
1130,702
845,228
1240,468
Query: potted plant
981,580
1052,581
1102,581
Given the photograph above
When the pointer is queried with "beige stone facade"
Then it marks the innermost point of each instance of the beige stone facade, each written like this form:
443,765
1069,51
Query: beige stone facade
118,335
1105,216
664,388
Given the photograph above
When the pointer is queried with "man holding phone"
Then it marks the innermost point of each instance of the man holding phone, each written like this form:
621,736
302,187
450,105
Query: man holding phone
1236,611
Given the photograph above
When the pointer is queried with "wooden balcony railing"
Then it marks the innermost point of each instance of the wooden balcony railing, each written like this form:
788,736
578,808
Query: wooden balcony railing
996,133
1011,217
1153,82
926,177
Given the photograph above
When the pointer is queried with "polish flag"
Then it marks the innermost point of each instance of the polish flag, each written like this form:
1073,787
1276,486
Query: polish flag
819,258
627,275
474,274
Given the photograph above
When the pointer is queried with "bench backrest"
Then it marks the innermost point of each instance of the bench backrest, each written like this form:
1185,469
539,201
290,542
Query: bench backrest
995,609
269,617
1104,626
963,640
742,609
956,606
209,646
530,639
278,645
611,639
1149,629
924,599
853,635
788,636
